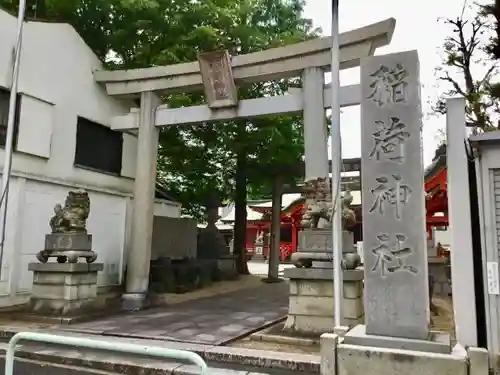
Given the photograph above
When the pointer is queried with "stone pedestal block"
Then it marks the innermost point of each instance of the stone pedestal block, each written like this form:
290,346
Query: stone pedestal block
63,289
362,360
67,247
315,250
226,267
439,270
311,300
320,241
436,342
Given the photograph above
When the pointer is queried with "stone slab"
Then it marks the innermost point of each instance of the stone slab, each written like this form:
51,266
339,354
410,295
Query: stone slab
311,310
363,360
478,361
325,265
65,278
320,240
66,267
313,306
393,198
226,266
438,342
61,307
322,274
264,359
328,352
114,362
213,320
68,241
64,292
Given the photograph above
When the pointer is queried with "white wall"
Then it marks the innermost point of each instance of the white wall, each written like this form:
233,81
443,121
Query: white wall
56,84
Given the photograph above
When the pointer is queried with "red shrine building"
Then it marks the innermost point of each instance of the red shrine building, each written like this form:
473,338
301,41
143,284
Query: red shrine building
259,212
436,193
259,224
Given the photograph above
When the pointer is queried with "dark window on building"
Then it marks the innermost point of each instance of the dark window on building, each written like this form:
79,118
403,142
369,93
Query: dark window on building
98,147
4,116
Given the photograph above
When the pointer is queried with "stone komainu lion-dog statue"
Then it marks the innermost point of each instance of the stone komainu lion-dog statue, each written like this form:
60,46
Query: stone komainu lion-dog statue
72,218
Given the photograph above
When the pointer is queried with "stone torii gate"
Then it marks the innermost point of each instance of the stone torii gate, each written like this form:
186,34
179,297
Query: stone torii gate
309,59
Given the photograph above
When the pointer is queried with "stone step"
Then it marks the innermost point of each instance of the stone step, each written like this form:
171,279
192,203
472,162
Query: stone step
223,360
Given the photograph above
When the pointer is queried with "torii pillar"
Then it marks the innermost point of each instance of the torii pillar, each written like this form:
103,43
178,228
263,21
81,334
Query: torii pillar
139,252
315,131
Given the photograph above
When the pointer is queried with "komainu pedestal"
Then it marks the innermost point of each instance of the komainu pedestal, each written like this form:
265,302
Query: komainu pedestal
315,249
310,310
64,289
67,247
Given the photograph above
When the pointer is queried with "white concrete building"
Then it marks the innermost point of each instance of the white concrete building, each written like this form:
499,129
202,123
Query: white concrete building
63,141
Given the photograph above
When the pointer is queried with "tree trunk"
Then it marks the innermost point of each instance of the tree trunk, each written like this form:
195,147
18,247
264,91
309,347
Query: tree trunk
240,217
36,9
41,9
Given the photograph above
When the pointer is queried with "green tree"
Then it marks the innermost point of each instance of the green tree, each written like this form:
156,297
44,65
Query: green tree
195,161
492,12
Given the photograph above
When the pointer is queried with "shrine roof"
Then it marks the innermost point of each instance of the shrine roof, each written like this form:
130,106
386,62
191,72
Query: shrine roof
286,200
251,215
220,226
438,163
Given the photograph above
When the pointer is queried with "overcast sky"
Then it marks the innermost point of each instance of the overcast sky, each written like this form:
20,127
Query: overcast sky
416,28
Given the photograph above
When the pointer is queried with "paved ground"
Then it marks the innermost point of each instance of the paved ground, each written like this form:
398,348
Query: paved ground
213,320
260,267
24,367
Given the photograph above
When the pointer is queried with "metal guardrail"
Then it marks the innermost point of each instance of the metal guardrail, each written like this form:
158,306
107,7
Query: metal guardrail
101,345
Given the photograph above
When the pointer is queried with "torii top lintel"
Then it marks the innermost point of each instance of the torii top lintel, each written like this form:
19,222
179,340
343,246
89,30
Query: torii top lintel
275,63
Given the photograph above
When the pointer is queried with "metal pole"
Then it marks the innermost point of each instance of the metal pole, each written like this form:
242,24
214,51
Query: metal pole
7,165
336,146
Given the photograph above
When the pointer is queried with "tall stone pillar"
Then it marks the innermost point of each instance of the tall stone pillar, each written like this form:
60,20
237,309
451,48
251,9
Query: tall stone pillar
139,254
315,132
394,235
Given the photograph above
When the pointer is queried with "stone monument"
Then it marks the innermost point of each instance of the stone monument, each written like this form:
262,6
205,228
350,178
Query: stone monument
311,282
396,338
212,246
66,287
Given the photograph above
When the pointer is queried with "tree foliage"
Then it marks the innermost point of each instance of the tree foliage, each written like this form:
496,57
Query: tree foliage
468,72
195,161
492,12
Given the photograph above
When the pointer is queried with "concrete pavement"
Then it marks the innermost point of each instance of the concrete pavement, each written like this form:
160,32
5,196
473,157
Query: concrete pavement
213,320
26,367
221,360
